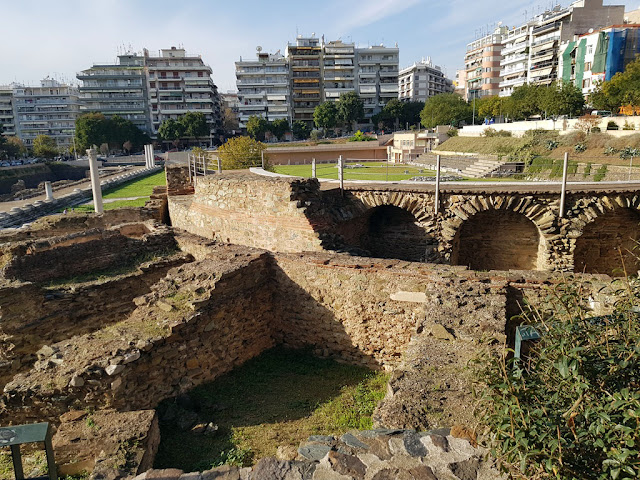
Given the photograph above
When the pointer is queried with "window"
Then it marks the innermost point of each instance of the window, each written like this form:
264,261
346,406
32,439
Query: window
590,50
587,67
586,83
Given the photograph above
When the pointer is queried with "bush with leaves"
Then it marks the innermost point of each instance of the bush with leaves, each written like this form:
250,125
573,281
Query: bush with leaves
580,147
611,125
551,144
571,410
610,150
628,152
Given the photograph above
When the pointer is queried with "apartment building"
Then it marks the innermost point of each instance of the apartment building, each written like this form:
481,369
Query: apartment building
482,65
339,69
263,87
377,77
7,121
305,67
149,89
49,109
422,80
313,71
117,89
514,66
598,56
531,52
178,83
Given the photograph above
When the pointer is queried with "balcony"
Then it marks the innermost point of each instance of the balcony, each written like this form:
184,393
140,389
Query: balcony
513,59
513,82
546,28
514,48
368,89
512,71
250,82
253,106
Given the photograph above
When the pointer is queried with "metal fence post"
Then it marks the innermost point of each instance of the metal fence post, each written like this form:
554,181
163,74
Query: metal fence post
262,155
564,183
313,168
219,165
437,199
341,174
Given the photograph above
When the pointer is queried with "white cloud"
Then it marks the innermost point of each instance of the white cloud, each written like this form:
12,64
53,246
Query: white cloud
360,14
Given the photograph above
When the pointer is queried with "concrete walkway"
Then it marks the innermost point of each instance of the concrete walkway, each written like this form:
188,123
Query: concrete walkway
7,206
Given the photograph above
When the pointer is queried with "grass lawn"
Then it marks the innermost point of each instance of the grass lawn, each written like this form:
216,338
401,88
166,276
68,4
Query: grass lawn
278,398
371,171
142,187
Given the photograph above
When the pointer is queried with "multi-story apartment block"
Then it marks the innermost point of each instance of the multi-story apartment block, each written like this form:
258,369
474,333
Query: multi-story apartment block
339,69
148,90
50,109
514,66
377,77
531,52
422,80
263,87
482,63
305,59
292,86
598,56
7,121
178,83
117,89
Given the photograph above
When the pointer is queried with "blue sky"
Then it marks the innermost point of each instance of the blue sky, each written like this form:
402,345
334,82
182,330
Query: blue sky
60,38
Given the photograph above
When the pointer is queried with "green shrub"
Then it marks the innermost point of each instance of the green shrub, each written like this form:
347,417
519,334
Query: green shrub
595,130
361,137
587,170
580,147
628,152
452,132
600,173
628,126
552,144
611,125
610,151
571,410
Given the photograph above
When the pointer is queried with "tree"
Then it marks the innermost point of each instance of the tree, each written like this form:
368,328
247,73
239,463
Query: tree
623,89
241,152
44,146
91,129
524,102
279,128
564,99
300,130
127,146
171,131
445,109
325,116
393,111
195,124
14,147
411,113
587,123
350,109
229,121
489,107
257,127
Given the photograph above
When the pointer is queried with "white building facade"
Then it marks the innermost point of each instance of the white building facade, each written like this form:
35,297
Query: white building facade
422,80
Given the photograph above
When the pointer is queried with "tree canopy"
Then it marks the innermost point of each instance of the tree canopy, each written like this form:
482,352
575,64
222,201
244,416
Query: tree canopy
241,152
350,109
195,124
623,89
257,127
171,131
325,115
44,146
300,130
445,109
396,114
279,128
96,129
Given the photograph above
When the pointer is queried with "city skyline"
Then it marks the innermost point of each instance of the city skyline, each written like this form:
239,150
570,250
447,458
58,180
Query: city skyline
224,33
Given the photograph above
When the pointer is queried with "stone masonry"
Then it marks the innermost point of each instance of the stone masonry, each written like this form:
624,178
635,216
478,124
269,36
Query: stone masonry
517,230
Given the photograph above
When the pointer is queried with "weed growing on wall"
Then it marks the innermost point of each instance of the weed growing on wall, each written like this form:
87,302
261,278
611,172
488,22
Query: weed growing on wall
571,410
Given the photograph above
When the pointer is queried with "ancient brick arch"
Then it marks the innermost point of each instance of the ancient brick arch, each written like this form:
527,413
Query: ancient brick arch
606,232
393,225
498,232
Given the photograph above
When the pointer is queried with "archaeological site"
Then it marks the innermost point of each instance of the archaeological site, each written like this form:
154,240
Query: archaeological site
108,322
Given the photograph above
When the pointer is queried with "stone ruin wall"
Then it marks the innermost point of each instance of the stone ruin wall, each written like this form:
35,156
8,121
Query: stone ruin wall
517,230
259,212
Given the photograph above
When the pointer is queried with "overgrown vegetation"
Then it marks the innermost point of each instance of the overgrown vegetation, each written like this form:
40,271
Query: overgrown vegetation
278,398
571,410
